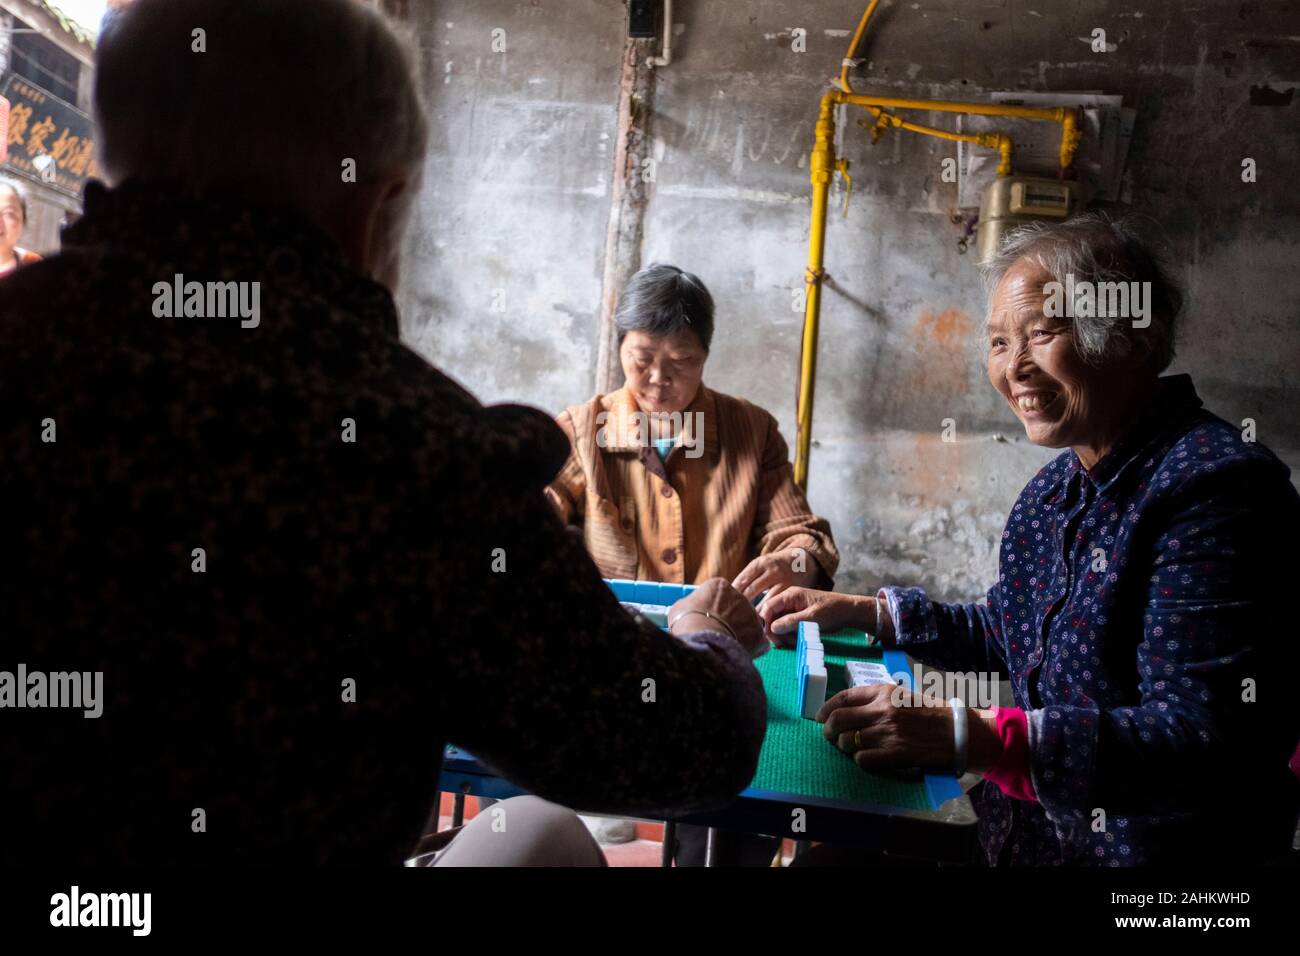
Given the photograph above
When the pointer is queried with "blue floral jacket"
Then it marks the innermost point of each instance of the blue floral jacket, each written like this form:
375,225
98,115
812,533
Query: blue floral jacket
1142,619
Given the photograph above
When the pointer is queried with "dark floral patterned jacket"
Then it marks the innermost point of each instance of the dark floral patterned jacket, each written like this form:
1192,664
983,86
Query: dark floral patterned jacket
1142,615
181,509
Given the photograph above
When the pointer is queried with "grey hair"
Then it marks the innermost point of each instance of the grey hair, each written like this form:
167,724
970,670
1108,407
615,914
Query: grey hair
285,92
1094,248
19,193
663,300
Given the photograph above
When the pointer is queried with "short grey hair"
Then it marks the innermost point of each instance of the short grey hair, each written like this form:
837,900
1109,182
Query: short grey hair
663,300
1095,248
285,92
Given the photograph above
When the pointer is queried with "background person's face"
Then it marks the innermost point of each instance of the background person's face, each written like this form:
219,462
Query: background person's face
663,372
1033,363
11,221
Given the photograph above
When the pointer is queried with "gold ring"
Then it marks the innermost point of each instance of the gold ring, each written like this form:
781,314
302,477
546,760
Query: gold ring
857,739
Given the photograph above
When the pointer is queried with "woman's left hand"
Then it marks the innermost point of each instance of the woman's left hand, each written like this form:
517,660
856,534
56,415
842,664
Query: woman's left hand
886,727
773,571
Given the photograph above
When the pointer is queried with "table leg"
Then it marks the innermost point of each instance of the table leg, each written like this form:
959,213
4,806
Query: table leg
711,847
670,841
457,810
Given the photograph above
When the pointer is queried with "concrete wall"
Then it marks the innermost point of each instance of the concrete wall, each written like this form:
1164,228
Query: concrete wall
516,203
47,210
503,274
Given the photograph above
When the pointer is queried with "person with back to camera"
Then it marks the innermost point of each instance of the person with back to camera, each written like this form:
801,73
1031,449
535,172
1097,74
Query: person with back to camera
271,527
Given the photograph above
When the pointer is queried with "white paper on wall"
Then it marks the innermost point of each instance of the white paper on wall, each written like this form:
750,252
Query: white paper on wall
1107,129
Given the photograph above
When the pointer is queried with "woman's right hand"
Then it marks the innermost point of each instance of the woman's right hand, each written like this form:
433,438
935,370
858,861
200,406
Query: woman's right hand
783,611
724,603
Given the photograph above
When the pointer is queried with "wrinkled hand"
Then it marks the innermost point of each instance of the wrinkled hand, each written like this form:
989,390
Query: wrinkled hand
776,571
782,611
885,727
725,603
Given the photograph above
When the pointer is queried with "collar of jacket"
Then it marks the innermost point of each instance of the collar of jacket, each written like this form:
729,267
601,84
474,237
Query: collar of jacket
624,434
222,235
1174,399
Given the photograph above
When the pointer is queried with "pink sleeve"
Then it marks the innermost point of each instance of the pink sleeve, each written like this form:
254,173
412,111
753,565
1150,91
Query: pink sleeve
1011,773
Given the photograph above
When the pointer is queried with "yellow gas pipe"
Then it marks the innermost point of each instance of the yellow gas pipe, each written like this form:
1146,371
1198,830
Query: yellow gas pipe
823,164
999,141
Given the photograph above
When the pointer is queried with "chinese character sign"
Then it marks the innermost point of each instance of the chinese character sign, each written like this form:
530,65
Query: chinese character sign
49,140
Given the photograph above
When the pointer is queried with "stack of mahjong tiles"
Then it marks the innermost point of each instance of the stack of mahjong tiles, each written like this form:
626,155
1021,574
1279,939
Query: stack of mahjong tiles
862,673
810,658
650,599
655,613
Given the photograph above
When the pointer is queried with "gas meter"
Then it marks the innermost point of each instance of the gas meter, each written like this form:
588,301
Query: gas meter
1012,201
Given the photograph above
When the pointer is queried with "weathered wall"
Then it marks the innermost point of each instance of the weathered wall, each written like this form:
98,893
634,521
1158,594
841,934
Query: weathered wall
516,204
503,274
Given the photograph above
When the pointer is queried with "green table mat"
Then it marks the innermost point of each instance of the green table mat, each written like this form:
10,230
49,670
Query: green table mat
797,759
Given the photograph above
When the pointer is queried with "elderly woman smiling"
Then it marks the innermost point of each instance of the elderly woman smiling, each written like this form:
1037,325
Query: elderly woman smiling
1139,613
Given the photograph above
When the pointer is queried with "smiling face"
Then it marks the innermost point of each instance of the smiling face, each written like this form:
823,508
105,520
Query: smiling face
1033,363
663,372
